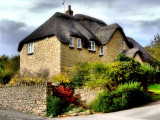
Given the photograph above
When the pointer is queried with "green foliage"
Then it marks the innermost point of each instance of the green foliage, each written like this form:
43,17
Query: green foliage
154,47
8,67
79,75
5,77
122,57
54,106
97,75
125,96
147,73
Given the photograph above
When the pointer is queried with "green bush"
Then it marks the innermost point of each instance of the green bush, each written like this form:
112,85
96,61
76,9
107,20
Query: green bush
97,75
121,57
79,75
5,76
124,97
54,106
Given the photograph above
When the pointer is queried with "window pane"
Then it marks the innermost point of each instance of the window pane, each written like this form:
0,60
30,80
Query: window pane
71,42
79,43
90,45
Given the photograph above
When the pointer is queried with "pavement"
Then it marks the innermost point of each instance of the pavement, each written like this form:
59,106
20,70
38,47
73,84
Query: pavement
147,112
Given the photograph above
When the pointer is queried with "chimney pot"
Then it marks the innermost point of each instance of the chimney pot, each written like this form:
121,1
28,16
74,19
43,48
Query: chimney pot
69,11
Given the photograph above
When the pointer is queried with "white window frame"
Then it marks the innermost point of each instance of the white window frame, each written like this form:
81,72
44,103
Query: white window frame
101,50
79,43
30,48
71,42
123,45
91,45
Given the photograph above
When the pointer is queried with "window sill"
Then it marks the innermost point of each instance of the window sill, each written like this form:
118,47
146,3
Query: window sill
101,55
79,48
91,50
71,47
30,53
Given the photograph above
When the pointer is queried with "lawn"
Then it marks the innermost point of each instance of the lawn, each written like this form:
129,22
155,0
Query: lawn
155,89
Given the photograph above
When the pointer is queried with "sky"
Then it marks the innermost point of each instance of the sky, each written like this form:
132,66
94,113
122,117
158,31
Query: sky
140,19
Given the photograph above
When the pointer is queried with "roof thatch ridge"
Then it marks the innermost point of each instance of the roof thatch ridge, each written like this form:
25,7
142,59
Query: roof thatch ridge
145,55
81,17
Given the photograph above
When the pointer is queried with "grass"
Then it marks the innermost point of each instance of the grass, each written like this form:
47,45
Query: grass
155,89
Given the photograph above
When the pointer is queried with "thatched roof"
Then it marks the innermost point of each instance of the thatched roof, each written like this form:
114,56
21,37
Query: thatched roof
88,28
63,26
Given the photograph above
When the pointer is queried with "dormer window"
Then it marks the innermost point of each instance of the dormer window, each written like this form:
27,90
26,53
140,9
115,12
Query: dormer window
71,42
92,45
79,45
123,45
101,50
30,48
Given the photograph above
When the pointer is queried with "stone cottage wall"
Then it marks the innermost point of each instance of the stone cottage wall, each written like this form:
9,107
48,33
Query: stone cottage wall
70,56
86,96
46,57
29,99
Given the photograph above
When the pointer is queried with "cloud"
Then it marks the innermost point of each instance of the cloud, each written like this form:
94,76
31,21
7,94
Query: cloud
41,6
12,33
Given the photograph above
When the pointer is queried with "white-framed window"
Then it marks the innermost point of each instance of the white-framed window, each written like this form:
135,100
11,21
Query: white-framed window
101,51
30,47
71,42
79,43
92,45
123,45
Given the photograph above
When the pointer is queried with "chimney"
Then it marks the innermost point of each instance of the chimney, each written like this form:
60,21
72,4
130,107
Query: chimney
69,11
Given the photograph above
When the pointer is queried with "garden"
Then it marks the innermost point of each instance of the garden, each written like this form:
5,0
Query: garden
124,84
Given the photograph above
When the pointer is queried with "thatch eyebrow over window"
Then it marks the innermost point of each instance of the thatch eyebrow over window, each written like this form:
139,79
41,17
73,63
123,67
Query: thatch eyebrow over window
71,42
101,50
30,48
92,45
79,43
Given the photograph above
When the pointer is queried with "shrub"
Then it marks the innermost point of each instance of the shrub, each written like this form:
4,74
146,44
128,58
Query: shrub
27,79
65,94
121,57
61,78
79,75
54,106
125,96
97,75
5,76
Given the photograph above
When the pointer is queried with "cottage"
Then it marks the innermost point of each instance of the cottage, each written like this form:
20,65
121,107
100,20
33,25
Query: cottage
64,40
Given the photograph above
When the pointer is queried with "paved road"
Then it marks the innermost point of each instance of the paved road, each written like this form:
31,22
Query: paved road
147,112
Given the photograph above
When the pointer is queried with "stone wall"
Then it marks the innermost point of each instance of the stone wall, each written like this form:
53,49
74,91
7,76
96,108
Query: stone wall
46,56
70,56
29,99
86,96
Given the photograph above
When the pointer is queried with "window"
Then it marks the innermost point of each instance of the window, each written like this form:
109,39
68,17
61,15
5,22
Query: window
79,43
30,48
123,45
92,45
71,42
101,50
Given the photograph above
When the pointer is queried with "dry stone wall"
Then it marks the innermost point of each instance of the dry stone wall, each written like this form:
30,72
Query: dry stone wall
29,99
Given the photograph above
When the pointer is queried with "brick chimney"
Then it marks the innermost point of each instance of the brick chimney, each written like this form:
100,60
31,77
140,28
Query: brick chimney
69,11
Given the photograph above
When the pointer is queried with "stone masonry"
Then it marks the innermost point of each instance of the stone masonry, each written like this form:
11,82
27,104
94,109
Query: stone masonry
52,55
70,56
29,99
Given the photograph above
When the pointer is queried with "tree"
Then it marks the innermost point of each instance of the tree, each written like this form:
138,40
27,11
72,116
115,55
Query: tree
154,47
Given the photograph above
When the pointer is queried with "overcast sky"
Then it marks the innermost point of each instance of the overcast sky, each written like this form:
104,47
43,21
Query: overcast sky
140,19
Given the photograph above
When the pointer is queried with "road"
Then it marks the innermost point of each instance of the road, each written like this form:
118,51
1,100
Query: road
148,112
